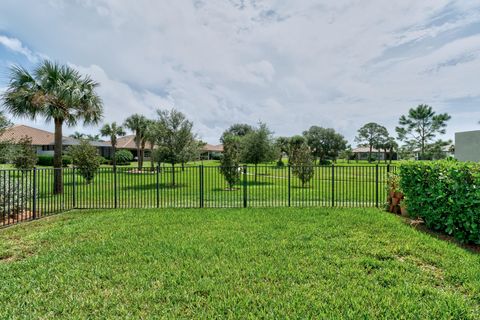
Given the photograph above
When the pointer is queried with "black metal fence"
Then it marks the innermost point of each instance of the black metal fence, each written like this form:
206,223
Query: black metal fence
28,194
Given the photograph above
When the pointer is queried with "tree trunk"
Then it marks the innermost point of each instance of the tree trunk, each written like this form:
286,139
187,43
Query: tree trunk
256,172
370,155
114,160
142,153
139,164
57,158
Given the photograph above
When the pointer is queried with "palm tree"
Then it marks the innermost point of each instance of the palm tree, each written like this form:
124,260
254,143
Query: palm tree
138,124
77,135
113,131
150,137
55,92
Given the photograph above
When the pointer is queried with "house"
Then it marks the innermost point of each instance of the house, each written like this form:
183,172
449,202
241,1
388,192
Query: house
210,151
44,141
467,146
128,143
361,153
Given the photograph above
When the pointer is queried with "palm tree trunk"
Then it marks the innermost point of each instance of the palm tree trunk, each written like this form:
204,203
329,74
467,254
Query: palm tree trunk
139,164
57,158
114,158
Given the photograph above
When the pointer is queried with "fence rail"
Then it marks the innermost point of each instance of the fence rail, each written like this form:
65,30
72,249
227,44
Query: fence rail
28,194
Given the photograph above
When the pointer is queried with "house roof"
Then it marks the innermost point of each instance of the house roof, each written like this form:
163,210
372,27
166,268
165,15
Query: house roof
213,148
40,137
127,142
365,150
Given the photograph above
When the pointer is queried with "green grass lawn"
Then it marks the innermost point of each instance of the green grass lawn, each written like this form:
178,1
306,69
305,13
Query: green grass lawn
233,263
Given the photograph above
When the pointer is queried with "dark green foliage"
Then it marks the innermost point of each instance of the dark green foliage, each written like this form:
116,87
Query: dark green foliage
123,157
446,194
324,143
24,156
420,127
238,130
372,135
47,160
86,159
230,162
257,146
302,164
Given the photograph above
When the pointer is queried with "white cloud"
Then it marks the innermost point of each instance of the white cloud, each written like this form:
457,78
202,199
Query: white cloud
291,64
17,46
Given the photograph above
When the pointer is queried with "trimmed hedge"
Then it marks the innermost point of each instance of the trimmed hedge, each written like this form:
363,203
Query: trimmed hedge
446,195
47,161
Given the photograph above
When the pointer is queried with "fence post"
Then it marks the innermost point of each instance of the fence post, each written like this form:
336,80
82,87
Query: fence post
289,184
388,168
245,186
333,185
376,185
115,198
34,205
157,185
74,197
201,185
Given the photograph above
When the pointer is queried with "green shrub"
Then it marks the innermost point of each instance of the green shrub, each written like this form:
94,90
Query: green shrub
66,160
123,157
446,195
16,194
86,159
45,160
24,156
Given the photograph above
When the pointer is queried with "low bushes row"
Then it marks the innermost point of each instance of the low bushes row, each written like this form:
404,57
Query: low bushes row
445,194
47,161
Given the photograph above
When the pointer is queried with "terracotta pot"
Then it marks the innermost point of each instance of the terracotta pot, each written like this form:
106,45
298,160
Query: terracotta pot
395,201
403,211
398,195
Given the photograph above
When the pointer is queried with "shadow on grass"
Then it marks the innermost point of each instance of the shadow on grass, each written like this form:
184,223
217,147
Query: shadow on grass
153,186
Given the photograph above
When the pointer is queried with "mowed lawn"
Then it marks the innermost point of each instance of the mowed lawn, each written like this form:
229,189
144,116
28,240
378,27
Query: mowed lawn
233,263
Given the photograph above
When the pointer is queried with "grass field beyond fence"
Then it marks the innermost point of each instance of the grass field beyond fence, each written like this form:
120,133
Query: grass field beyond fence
233,263
193,187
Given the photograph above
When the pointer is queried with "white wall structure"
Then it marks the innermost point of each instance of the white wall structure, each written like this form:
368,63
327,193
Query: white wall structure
467,146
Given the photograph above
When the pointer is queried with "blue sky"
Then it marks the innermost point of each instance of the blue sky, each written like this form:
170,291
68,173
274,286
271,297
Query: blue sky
291,64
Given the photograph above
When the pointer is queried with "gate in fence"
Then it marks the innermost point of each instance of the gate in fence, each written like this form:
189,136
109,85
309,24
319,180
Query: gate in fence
28,194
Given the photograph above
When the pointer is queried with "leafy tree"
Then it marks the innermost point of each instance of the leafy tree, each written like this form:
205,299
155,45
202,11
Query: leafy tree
123,157
24,156
282,147
77,135
347,154
55,92
238,129
437,150
230,161
5,145
175,141
324,143
113,131
257,146
371,134
302,164
85,157
421,126
389,145
138,124
150,140
295,143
